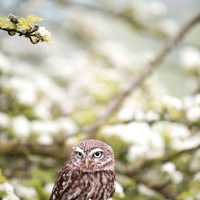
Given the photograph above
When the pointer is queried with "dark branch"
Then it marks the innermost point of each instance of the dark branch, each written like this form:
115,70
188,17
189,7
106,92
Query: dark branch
33,37
21,149
149,68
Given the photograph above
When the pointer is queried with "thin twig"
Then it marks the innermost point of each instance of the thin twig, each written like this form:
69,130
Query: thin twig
149,68
33,37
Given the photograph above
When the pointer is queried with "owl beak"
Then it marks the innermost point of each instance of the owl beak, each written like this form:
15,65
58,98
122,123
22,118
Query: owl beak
87,163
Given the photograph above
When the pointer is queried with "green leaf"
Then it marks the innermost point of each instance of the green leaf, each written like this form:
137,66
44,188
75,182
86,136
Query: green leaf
6,23
27,23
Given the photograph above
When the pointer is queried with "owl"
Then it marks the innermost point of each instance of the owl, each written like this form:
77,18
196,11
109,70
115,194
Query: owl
89,175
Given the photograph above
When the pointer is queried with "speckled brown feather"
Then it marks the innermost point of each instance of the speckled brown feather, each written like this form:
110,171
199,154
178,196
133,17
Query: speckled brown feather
78,184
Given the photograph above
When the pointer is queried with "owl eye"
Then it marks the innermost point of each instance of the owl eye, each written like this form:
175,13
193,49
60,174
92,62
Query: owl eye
98,154
79,155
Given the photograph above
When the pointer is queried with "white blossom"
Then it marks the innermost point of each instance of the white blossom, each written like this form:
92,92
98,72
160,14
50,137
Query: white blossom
172,102
8,188
48,187
189,142
131,109
67,125
46,35
151,116
142,138
193,114
170,168
45,139
23,89
145,190
190,58
43,109
137,151
177,177
188,102
177,133
48,88
24,191
44,127
169,26
21,126
157,8
152,9
192,101
197,176
4,120
119,189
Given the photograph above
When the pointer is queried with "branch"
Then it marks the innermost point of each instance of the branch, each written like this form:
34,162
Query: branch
21,149
177,154
149,68
130,171
31,35
61,151
160,189
25,27
125,14
154,121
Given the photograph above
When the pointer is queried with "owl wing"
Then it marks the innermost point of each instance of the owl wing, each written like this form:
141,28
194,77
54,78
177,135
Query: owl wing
62,182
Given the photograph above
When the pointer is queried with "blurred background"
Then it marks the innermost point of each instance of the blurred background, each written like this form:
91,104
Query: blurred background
50,92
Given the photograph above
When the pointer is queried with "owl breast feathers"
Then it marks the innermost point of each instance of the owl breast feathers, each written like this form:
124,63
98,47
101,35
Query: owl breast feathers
89,175
73,184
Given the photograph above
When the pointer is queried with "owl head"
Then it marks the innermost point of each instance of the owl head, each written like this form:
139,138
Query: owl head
92,155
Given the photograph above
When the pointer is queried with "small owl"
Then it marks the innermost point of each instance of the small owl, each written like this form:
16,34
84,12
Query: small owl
89,175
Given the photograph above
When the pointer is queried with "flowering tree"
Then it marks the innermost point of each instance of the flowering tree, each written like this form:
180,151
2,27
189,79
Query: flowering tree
126,95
